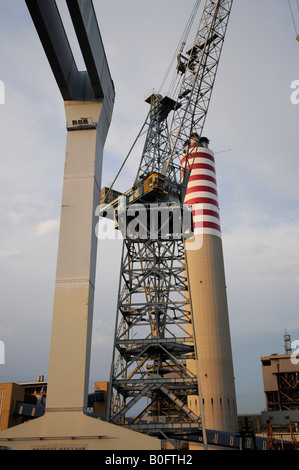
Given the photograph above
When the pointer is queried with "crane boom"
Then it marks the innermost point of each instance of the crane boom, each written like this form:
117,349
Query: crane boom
187,111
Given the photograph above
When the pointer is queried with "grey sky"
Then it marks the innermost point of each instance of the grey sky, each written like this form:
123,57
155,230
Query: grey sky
251,114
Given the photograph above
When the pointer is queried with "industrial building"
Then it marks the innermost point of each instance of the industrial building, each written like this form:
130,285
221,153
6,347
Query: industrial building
21,402
25,402
281,383
281,387
275,428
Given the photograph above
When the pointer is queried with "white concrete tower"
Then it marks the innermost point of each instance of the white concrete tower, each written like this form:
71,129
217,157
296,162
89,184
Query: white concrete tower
208,291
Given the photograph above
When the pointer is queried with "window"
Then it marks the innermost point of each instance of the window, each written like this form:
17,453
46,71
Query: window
266,363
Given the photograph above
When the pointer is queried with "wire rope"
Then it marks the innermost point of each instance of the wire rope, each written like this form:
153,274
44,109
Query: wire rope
292,15
125,160
180,47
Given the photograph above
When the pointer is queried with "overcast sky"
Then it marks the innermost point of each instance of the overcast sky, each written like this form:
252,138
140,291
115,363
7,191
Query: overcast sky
253,128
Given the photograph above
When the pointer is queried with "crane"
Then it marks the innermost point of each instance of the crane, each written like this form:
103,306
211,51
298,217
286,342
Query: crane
153,333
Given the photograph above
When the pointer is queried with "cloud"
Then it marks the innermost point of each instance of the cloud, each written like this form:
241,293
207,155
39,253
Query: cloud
15,217
6,253
46,227
262,266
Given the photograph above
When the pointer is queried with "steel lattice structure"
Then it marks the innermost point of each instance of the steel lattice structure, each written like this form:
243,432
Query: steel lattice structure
152,341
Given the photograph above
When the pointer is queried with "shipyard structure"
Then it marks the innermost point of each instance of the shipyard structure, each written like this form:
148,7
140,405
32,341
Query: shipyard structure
171,374
171,384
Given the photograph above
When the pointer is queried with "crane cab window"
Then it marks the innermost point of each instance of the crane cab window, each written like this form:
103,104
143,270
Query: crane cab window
154,182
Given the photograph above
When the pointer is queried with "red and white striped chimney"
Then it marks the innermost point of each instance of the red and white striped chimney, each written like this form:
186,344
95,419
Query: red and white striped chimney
201,190
204,256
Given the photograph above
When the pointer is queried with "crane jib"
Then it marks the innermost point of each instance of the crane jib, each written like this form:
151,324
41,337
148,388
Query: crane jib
169,127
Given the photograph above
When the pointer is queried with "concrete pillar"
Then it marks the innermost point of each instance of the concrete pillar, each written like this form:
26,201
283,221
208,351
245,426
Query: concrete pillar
76,262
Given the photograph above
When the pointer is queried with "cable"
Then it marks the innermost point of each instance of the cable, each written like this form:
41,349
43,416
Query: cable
124,162
293,16
181,44
298,11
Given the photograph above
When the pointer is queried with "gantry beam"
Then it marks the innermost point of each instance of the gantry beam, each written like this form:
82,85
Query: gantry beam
92,84
90,41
